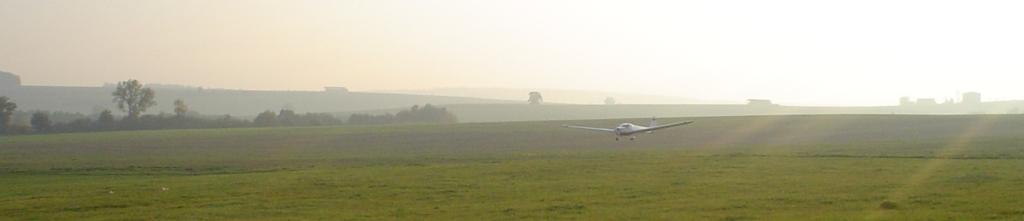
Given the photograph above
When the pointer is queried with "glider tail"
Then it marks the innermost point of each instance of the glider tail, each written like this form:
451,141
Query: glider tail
654,123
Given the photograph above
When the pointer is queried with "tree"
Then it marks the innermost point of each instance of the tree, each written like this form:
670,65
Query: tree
7,109
536,98
133,98
106,120
287,117
609,101
41,122
180,109
265,119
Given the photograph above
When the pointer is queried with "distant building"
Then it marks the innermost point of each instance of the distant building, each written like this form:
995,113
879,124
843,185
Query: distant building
336,89
759,102
905,101
8,79
926,101
971,98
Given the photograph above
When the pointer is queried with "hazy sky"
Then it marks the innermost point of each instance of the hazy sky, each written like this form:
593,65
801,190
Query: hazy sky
795,52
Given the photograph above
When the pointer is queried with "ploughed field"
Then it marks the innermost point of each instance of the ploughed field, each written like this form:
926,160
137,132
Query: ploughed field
830,167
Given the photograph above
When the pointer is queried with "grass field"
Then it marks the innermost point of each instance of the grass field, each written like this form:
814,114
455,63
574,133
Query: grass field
871,167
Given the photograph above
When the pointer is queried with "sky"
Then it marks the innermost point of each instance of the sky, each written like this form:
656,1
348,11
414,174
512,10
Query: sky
796,52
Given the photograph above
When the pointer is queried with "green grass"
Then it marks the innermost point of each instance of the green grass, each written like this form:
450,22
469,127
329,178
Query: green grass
728,168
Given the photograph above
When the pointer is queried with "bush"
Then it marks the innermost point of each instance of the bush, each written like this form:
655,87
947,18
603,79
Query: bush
19,129
41,122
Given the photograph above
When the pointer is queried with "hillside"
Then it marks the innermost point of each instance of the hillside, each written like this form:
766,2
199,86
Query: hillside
216,102
525,112
556,95
245,103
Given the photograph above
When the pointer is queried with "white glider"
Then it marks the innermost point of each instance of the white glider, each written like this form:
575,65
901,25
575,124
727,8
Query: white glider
629,129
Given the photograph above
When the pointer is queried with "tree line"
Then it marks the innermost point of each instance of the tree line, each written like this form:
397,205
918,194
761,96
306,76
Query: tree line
134,99
427,114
